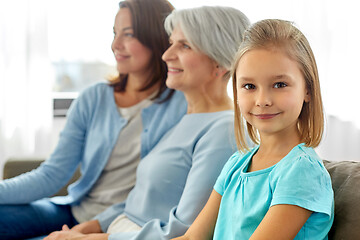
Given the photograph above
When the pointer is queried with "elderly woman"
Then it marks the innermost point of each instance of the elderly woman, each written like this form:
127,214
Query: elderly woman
175,179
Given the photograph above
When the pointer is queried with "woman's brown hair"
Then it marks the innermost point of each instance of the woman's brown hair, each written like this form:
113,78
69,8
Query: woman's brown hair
148,18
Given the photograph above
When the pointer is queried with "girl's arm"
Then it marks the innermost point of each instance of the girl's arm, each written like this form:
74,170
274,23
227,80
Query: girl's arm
283,221
204,225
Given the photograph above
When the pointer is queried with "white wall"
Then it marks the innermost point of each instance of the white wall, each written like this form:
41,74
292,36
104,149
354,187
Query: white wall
341,140
57,125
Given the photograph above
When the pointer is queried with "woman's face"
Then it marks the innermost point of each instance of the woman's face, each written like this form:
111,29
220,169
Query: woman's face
131,56
188,69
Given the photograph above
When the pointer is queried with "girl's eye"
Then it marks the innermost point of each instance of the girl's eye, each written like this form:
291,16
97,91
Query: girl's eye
249,86
280,85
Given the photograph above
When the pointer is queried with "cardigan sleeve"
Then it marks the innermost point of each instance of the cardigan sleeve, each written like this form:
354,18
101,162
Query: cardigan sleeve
57,170
209,156
106,217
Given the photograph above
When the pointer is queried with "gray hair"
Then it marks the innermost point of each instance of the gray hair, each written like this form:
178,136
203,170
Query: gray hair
215,31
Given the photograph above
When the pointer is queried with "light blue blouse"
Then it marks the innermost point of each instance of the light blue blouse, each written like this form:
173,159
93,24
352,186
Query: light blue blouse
91,131
300,178
176,178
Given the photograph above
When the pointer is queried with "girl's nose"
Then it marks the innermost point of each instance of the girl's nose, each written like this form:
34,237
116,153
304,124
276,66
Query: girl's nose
263,99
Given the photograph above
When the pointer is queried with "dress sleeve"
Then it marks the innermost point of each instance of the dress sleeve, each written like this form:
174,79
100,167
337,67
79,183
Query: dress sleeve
303,182
209,156
220,184
57,170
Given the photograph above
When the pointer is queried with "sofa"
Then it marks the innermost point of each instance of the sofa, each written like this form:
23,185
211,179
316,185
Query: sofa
16,166
345,176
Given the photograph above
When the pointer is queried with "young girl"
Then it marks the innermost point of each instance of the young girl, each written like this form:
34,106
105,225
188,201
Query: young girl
279,189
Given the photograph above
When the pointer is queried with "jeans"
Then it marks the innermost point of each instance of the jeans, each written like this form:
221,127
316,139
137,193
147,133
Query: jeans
35,219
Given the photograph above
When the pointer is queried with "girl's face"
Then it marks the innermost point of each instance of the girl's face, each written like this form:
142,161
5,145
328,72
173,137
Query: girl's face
188,70
270,90
131,56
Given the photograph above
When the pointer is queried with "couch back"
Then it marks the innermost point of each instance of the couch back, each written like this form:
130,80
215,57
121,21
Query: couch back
345,177
16,166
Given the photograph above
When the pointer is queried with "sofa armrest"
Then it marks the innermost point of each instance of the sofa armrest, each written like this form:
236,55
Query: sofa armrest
16,166
345,177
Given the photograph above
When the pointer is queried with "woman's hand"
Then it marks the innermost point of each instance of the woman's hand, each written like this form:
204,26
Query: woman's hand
81,231
92,226
71,234
67,234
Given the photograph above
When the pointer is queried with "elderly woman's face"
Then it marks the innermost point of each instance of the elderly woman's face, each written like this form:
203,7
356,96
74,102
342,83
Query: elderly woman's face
188,69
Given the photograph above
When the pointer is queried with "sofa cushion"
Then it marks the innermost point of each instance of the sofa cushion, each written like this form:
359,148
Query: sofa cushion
345,177
16,166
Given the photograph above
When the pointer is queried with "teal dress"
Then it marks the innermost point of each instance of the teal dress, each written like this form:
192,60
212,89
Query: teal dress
300,179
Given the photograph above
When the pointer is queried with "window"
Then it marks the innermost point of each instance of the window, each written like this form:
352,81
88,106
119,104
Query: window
80,35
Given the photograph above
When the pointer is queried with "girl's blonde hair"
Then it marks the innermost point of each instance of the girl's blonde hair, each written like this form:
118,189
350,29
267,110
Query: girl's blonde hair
283,35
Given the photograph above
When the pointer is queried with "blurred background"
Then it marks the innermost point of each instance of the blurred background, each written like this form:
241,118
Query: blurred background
51,50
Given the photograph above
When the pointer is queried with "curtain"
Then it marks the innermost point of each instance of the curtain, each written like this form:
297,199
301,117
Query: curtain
25,79
341,140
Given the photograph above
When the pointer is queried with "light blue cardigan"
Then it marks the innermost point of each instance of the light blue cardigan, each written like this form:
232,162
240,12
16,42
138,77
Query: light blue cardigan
174,181
90,133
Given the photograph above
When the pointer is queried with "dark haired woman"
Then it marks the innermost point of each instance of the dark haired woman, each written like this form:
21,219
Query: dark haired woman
110,127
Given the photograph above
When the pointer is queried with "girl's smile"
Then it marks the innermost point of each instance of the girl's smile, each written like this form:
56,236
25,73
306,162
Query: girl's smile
270,90
266,116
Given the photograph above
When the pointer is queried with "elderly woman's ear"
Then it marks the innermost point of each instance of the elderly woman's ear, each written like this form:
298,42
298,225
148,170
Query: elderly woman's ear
220,71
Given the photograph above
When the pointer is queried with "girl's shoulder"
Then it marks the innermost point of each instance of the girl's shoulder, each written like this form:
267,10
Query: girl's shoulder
305,156
301,179
302,161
